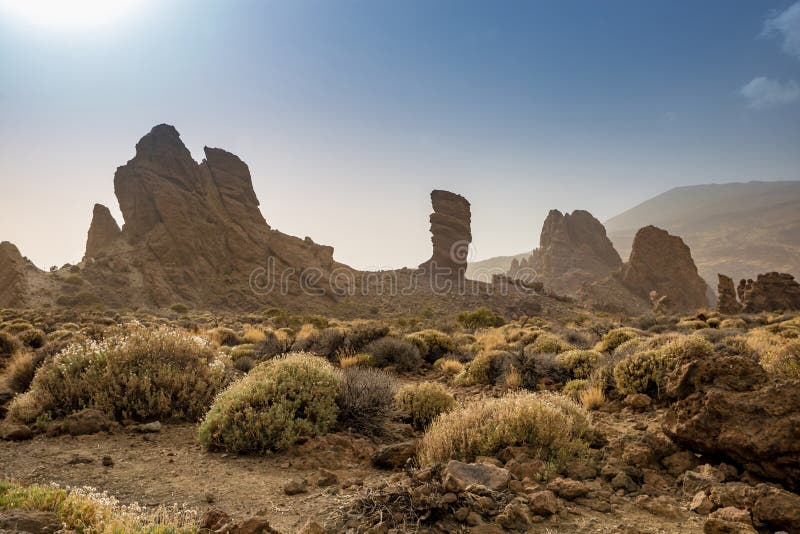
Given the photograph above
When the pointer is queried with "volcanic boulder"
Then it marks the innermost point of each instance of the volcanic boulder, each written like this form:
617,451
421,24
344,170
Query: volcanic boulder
663,263
726,296
726,406
770,291
451,236
103,233
13,284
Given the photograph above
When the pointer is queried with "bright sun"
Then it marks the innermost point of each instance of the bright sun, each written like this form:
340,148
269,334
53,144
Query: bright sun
69,14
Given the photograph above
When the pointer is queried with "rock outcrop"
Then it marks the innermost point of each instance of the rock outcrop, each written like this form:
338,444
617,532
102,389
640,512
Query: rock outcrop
103,233
451,236
770,291
726,296
663,263
726,406
13,284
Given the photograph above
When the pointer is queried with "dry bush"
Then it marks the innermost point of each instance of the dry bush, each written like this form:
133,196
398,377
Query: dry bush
554,426
432,344
9,344
574,388
223,336
479,318
547,344
487,367
593,397
33,338
616,337
365,400
361,333
348,359
277,403
644,372
421,403
733,322
513,379
395,352
323,343
141,375
19,372
449,366
541,368
253,335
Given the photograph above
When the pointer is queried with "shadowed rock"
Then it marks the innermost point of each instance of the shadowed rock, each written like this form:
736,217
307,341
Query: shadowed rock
103,232
726,296
450,235
770,291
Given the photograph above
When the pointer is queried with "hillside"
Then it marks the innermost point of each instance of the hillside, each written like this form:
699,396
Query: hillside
739,229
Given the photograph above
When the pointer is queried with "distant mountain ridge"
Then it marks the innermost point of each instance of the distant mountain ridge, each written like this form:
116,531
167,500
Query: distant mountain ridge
740,229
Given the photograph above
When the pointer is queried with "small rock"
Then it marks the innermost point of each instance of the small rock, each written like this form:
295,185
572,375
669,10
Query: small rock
701,503
701,479
515,516
150,428
734,515
679,462
622,481
79,459
567,488
543,503
107,461
458,476
312,527
11,431
522,469
209,497
778,508
714,525
84,422
326,478
295,487
214,519
29,521
637,401
394,456
255,525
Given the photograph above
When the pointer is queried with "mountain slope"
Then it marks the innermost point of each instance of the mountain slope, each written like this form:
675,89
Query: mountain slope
740,229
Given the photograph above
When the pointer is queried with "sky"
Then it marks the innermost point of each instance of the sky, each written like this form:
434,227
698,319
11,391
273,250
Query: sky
349,112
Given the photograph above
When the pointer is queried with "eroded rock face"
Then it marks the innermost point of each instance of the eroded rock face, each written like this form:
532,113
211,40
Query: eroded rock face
450,234
726,296
663,263
725,406
770,291
13,285
103,232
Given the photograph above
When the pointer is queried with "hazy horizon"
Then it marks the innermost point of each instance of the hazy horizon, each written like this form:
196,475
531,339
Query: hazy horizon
349,113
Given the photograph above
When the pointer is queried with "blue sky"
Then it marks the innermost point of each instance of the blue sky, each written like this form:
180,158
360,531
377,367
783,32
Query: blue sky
349,112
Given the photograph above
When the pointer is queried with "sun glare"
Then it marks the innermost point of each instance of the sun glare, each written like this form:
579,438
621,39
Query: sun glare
69,15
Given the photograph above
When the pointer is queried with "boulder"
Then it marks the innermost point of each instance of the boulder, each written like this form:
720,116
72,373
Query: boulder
34,522
662,263
103,233
451,236
394,455
87,421
725,407
458,476
770,291
13,282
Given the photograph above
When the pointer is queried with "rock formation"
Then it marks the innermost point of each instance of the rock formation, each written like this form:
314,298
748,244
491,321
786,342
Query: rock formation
725,406
770,291
450,234
12,276
726,296
103,232
662,263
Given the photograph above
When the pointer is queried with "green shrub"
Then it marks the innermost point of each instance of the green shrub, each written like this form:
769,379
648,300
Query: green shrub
542,369
278,402
396,352
480,318
180,308
644,372
614,338
365,400
552,425
547,344
574,388
488,367
140,375
421,403
84,298
432,344
579,363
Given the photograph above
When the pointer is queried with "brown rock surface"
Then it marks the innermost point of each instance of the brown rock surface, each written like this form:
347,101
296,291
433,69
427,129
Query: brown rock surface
770,291
450,234
725,406
103,232
726,296
663,263
13,285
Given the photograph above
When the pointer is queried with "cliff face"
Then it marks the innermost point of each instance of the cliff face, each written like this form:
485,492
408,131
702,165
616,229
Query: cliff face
451,235
13,284
663,263
103,232
769,292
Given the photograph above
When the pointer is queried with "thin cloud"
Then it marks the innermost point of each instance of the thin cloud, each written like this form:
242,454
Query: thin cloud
787,25
764,93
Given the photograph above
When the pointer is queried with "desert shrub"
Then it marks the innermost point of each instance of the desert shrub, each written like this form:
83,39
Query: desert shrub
614,338
278,402
432,344
74,280
349,359
632,346
574,388
462,340
556,428
692,324
33,338
579,363
323,343
579,338
735,346
253,335
84,298
365,400
9,344
547,344
783,361
713,322
223,336
396,352
18,374
449,366
644,372
732,322
513,379
691,347
140,374
272,344
244,363
592,397
479,318
421,403
180,308
488,367
360,334
542,369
